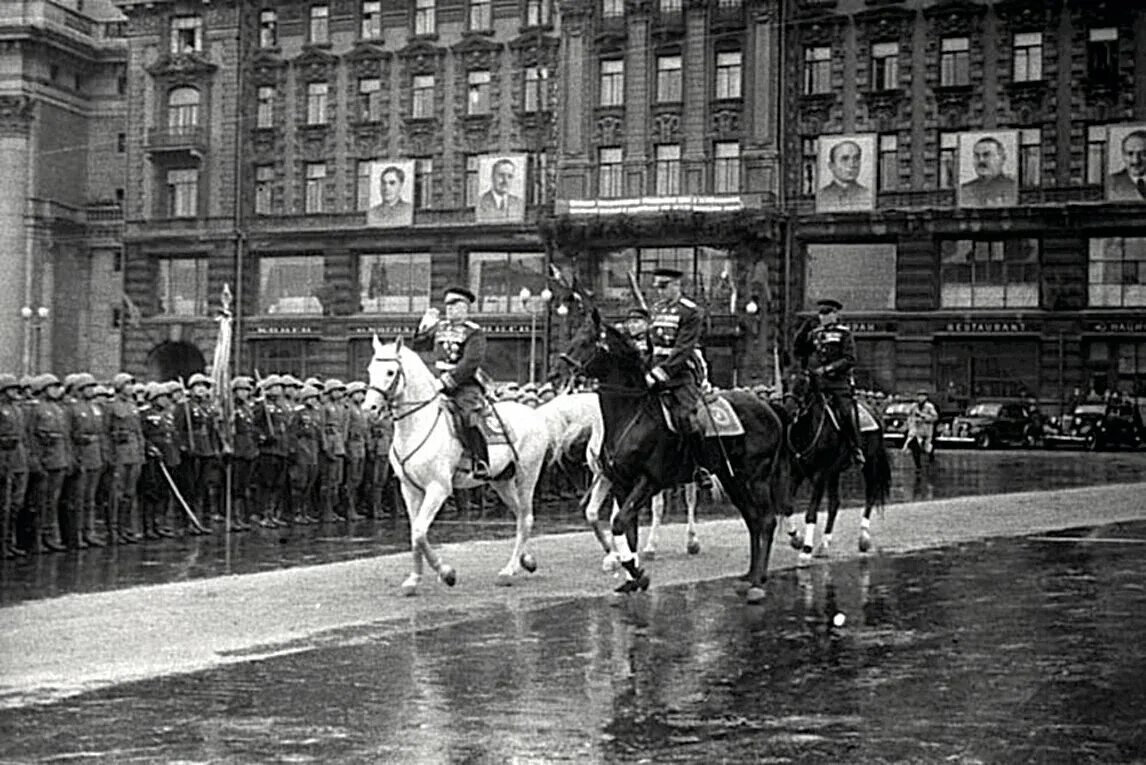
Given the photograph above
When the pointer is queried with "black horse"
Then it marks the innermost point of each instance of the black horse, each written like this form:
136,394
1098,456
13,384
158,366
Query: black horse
820,454
641,457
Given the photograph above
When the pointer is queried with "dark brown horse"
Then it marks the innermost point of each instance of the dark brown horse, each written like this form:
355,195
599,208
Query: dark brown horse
641,456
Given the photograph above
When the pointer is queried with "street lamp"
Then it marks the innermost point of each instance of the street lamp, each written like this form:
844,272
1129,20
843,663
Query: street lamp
34,318
534,305
752,326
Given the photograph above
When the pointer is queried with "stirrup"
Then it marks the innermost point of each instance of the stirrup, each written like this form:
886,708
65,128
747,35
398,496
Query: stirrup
479,469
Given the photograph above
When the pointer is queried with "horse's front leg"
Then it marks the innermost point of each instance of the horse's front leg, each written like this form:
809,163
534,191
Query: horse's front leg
433,498
693,546
833,510
789,510
518,496
623,523
412,496
598,493
658,511
810,518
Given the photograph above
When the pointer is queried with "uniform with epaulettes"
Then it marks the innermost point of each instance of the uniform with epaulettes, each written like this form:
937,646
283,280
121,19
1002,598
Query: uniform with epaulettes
380,435
245,450
307,426
199,422
333,463
674,334
126,432
51,429
272,416
88,431
828,350
161,448
13,465
357,431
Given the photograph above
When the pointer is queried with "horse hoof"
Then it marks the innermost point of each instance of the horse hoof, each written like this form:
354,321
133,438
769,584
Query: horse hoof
794,540
693,547
528,562
504,579
805,557
609,563
823,551
865,543
649,554
410,586
755,595
447,574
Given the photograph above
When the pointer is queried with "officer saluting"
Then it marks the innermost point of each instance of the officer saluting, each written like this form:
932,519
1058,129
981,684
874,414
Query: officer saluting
829,352
460,347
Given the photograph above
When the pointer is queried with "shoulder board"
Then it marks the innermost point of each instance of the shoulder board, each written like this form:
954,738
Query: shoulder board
844,327
472,324
687,302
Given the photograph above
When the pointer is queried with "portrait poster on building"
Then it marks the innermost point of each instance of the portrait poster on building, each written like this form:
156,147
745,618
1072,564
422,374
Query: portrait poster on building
845,179
501,188
391,193
1126,163
988,169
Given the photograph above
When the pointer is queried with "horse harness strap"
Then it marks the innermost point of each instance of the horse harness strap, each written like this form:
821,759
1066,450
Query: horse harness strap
403,460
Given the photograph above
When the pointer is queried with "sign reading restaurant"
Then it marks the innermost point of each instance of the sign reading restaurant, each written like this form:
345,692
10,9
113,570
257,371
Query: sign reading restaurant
988,327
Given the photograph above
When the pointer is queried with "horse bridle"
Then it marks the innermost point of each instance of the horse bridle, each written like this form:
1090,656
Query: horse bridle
387,393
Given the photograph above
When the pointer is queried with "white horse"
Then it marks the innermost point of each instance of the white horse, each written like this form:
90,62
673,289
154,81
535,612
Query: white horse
426,455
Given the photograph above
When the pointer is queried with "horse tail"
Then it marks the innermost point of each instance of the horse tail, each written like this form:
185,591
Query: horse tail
877,471
563,432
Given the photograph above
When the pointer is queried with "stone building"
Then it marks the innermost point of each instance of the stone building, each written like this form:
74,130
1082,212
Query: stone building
959,179
61,147
670,145
266,141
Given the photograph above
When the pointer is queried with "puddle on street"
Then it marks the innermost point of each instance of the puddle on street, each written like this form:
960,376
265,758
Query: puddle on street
1006,650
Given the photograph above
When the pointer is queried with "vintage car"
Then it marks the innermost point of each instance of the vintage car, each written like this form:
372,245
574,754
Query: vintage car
990,423
1093,426
895,421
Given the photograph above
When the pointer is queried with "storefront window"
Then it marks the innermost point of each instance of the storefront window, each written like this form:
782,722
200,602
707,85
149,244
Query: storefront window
397,282
497,278
996,367
708,274
861,276
1118,272
290,285
1117,365
989,273
294,357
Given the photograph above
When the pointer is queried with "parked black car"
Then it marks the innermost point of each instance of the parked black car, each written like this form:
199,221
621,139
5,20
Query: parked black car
895,421
1097,426
990,423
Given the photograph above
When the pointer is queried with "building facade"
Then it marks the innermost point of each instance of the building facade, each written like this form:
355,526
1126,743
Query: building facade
61,148
670,143
964,178
338,164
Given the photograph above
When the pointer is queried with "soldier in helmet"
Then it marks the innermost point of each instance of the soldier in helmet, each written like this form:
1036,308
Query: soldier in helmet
51,429
272,418
198,424
126,432
357,432
381,434
307,436
87,431
246,450
13,464
25,521
335,422
162,451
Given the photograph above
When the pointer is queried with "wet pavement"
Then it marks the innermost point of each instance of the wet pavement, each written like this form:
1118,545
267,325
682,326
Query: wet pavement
1005,650
958,473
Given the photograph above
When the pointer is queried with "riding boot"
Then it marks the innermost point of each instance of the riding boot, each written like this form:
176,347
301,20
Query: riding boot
857,438
478,454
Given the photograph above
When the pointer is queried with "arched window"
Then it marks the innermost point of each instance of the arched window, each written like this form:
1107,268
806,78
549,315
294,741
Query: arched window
183,109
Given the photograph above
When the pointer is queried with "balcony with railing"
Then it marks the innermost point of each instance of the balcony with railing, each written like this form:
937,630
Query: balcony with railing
175,139
49,14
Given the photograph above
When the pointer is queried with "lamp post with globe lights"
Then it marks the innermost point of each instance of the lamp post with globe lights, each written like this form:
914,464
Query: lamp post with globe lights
534,305
752,327
34,319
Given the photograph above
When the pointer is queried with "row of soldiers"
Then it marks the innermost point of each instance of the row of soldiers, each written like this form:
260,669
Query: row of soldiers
151,458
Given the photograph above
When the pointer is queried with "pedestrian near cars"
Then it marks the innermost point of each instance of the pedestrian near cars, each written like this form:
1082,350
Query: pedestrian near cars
13,465
921,420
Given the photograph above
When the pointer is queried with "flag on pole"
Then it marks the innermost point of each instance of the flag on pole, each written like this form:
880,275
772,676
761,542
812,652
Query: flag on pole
221,365
134,315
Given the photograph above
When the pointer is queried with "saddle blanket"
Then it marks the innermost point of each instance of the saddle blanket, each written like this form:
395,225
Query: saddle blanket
867,419
716,417
491,427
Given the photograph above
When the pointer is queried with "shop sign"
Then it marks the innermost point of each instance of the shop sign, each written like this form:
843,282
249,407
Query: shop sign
988,327
284,330
645,205
871,327
510,329
1118,327
384,330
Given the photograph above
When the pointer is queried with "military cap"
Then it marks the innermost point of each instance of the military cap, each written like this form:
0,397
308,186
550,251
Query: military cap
8,381
667,273
355,386
242,381
923,392
121,379
138,388
456,293
199,379
638,313
511,385
832,303
333,385
104,390
308,391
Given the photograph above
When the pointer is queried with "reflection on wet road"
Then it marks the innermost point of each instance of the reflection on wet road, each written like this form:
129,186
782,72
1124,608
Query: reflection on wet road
958,473
1000,651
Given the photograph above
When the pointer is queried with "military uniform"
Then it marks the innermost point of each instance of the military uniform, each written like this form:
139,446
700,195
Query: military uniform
245,454
51,430
88,428
307,430
357,432
13,465
126,432
829,352
161,449
198,424
674,335
272,419
335,420
379,438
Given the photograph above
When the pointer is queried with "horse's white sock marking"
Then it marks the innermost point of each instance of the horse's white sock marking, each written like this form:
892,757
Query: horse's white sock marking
865,523
809,534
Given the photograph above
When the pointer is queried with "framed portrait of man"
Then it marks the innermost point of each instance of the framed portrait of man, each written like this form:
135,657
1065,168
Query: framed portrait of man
1126,163
391,193
501,188
988,163
845,179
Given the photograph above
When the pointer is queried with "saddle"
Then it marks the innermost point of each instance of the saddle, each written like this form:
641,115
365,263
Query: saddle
715,417
492,428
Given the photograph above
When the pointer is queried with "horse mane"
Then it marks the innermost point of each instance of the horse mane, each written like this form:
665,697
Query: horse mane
624,351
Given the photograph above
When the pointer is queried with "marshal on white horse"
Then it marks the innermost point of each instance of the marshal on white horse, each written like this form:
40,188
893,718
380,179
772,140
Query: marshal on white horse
428,457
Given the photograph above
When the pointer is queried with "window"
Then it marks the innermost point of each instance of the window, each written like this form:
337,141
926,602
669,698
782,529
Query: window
1095,154
537,178
1102,54
989,273
291,284
612,82
481,15
423,183
1028,52
264,189
729,65
182,193
425,21
183,286
497,278
817,70
294,356
315,187
888,162
265,114
536,89
423,96
1030,157
861,275
471,190
808,160
668,78
537,13
186,34
1118,272
726,179
316,93
183,110
268,29
609,178
948,154
667,170
669,6
954,61
370,99
394,282
613,9
319,24
477,92
362,187
120,143
885,66
371,19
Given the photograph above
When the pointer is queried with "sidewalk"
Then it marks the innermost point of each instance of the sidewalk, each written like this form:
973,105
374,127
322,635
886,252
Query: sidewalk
58,647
